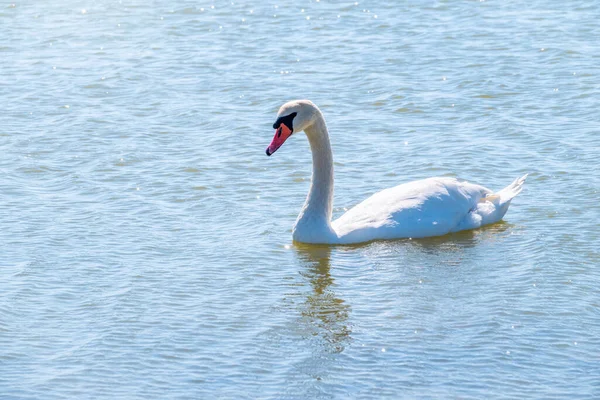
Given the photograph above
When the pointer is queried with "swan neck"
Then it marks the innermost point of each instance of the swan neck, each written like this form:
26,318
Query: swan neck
320,197
314,222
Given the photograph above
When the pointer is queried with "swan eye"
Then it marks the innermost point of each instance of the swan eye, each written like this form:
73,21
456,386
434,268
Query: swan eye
287,121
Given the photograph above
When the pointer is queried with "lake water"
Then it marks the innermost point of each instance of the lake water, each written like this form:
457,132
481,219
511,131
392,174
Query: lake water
146,247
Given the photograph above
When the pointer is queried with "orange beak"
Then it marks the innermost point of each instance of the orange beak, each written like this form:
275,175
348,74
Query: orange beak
281,135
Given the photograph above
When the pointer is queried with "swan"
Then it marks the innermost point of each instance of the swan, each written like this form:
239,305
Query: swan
423,208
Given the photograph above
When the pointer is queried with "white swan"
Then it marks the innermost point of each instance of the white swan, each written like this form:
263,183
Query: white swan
429,207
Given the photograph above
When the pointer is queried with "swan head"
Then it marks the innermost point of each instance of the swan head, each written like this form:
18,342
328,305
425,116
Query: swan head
293,116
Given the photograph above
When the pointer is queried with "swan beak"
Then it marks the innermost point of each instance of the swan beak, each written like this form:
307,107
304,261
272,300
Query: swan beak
281,135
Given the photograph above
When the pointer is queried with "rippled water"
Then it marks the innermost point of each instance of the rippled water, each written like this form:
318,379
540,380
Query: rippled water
146,239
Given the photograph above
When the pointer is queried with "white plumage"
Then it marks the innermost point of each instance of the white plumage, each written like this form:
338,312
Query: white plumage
428,207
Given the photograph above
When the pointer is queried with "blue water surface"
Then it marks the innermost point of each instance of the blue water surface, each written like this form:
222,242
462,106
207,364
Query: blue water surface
145,238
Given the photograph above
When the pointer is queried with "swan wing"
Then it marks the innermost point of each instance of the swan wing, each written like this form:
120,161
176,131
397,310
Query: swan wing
423,208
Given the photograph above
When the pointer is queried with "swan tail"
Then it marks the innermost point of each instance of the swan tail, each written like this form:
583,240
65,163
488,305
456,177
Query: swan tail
493,206
509,192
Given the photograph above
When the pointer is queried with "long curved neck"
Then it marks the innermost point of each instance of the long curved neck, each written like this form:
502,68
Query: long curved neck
320,196
315,218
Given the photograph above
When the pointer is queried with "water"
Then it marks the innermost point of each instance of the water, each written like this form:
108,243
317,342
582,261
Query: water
146,238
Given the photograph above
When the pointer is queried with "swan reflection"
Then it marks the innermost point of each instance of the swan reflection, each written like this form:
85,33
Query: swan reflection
462,241
323,315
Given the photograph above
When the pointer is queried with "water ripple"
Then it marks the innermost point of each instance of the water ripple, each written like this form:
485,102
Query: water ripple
146,239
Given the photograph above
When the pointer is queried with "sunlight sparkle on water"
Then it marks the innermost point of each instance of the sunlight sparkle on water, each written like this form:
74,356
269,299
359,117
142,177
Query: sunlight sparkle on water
195,274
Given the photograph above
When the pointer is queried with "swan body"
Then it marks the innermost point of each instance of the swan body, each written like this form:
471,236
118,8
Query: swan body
424,208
